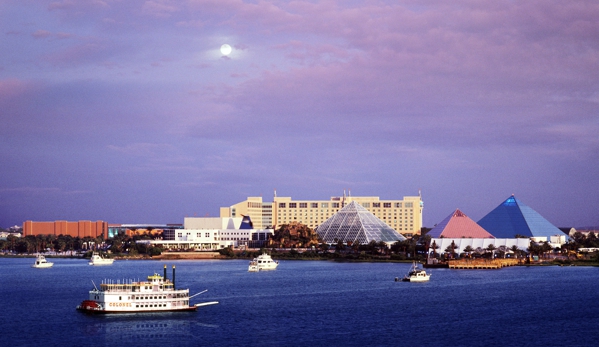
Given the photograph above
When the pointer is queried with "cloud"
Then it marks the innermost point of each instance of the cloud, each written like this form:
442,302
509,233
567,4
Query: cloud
43,191
159,9
376,95
41,34
144,149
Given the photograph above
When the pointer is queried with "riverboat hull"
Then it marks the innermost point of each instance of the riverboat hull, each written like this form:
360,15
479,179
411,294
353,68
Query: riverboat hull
92,310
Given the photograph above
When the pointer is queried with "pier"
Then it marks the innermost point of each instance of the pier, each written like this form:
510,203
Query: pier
482,263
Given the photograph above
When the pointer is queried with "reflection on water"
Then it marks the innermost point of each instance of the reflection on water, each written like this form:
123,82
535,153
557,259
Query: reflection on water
153,327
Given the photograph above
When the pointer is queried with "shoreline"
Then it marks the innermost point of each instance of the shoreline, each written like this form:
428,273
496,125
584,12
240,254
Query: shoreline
218,256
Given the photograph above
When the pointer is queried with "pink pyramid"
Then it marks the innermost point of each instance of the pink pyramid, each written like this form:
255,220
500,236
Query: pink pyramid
458,225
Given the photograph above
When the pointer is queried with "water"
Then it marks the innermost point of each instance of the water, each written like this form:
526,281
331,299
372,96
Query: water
302,303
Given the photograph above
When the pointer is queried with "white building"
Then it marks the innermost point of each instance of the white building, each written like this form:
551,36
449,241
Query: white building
213,233
462,243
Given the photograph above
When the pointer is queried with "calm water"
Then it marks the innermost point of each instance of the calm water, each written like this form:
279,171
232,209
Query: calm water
308,303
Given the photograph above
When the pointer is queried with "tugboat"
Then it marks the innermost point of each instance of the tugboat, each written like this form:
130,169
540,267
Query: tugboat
157,294
416,274
41,262
262,262
97,259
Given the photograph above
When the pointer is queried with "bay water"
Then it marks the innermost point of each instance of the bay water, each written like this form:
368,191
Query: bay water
306,303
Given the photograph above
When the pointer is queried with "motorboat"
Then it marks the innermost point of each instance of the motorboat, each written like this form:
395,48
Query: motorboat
41,262
97,259
262,262
253,267
156,294
416,274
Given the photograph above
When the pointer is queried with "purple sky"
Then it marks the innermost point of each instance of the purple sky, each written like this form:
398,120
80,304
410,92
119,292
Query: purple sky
126,111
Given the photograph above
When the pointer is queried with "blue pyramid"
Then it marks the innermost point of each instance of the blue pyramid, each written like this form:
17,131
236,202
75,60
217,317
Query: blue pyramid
513,218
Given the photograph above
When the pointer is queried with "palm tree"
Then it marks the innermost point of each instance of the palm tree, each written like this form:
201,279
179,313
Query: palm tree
468,250
516,251
435,247
502,250
453,248
546,247
356,246
491,248
479,250
382,247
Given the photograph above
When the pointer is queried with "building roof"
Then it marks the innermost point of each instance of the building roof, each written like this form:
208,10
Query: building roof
354,223
459,225
513,218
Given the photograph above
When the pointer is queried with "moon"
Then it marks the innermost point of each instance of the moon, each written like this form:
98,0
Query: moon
225,49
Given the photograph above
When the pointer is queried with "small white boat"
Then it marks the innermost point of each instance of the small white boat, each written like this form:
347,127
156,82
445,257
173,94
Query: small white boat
416,274
41,262
262,262
97,259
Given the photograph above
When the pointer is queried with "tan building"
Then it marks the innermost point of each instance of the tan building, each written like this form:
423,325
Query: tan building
404,215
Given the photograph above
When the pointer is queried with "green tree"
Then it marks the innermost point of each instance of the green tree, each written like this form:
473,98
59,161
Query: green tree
468,250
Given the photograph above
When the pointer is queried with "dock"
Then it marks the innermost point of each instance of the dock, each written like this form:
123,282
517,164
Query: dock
482,263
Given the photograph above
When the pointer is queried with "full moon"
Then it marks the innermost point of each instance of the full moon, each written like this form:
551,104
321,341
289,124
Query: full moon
225,49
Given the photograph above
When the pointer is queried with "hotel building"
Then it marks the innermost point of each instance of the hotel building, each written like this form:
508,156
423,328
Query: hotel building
405,216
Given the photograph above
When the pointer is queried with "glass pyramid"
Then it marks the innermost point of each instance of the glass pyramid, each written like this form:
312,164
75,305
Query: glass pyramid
513,218
354,223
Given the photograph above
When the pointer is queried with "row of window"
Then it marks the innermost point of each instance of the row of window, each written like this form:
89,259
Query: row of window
305,213
336,204
207,234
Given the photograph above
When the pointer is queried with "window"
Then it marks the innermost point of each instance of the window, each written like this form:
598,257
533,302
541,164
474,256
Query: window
303,205
324,205
409,205
387,205
292,205
313,205
282,205
398,204
207,235
366,204
376,204
335,204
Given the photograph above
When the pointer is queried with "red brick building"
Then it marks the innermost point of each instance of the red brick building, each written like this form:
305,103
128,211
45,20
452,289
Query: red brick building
82,228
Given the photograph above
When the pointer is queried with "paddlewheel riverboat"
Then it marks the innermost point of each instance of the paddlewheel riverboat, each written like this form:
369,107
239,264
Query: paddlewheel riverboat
157,294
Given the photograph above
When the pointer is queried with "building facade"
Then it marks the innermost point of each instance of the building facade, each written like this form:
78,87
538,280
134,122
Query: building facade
405,216
212,233
82,228
139,229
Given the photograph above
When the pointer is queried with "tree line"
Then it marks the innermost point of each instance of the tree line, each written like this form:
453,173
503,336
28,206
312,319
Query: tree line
119,244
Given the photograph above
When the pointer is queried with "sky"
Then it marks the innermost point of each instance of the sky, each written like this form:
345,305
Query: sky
127,111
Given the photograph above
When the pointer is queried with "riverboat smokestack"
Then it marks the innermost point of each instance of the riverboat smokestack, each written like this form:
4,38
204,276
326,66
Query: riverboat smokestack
164,272
173,277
